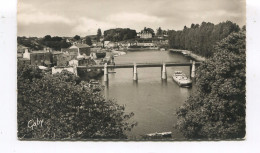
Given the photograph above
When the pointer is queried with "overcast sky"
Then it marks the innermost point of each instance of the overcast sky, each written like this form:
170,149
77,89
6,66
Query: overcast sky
84,17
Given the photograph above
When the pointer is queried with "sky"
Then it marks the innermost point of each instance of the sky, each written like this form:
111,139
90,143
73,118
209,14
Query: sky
83,17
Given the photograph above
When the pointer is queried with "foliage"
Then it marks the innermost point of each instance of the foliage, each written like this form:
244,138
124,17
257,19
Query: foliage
149,30
76,37
69,108
55,42
119,34
159,31
31,42
88,41
99,34
201,38
217,109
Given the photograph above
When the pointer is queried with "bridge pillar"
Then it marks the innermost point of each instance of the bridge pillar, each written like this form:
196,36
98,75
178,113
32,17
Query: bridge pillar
135,77
105,73
193,69
164,73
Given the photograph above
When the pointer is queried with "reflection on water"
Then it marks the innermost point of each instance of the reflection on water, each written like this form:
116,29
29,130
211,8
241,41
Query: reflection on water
154,101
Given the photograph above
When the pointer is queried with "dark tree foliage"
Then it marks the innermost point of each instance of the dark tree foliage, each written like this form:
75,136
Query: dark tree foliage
88,41
70,108
119,34
76,37
217,109
201,38
159,31
30,42
149,30
55,42
99,34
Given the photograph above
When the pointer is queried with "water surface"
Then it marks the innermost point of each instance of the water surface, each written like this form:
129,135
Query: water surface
153,101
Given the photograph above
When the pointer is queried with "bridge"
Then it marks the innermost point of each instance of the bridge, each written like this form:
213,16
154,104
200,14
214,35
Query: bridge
163,66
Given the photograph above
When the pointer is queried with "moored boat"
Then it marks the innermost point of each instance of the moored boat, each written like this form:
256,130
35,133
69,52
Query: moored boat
181,79
158,135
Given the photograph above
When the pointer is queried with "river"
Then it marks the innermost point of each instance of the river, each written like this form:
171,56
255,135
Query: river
153,101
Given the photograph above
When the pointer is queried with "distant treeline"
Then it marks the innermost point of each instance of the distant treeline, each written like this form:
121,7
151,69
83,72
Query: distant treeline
119,34
35,43
55,42
201,38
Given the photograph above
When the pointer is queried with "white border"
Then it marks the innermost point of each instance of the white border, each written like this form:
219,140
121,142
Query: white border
9,142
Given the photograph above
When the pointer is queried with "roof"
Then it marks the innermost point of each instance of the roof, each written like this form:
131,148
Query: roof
39,52
82,45
57,52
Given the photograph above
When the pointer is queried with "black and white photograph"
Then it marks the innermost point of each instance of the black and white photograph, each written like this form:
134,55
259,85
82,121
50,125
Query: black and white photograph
131,70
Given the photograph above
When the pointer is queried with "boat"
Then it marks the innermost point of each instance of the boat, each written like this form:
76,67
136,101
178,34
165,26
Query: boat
101,54
181,79
158,135
93,81
162,49
185,54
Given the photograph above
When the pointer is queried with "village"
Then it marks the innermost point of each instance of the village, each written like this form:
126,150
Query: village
91,50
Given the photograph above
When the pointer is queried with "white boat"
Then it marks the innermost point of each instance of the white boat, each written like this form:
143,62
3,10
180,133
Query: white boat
162,49
181,79
158,135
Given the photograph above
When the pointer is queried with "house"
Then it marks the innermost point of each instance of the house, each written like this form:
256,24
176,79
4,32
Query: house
55,56
74,63
145,35
77,50
106,43
21,50
112,45
132,43
63,59
26,54
41,58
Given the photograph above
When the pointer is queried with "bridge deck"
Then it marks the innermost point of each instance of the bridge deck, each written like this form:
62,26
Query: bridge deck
138,65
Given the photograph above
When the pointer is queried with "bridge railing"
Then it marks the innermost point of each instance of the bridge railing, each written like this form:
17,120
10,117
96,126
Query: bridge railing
139,65
163,66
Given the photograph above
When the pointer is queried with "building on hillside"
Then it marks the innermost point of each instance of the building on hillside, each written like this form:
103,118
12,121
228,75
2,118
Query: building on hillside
106,43
41,58
21,50
77,51
74,63
55,56
145,35
86,62
112,45
63,59
132,43
26,54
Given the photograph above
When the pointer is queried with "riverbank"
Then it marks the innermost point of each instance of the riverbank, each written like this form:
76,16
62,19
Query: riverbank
190,54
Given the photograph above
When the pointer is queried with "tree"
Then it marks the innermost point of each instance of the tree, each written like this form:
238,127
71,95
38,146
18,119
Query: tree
88,41
68,108
77,37
159,31
149,30
47,38
201,38
119,34
99,34
217,109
